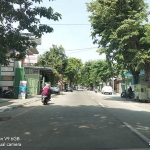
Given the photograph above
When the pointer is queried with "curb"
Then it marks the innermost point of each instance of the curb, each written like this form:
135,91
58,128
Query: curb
16,106
9,107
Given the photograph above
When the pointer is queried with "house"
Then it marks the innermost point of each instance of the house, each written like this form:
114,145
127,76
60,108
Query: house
142,89
10,76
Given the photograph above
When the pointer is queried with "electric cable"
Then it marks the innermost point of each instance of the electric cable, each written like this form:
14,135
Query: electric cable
73,49
69,24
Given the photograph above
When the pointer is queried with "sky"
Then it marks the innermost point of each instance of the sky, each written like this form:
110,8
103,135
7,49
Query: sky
75,39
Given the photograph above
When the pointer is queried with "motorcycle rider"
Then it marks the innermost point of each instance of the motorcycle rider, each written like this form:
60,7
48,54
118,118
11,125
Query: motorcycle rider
46,91
130,90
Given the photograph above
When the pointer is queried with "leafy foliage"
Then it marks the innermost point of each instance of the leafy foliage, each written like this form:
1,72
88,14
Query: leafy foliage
96,71
54,58
17,16
120,27
73,70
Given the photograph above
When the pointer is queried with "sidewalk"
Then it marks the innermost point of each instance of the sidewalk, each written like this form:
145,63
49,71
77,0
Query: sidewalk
9,104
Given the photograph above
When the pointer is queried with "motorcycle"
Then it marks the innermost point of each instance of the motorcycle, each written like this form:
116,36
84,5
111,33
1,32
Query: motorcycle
8,94
45,99
127,95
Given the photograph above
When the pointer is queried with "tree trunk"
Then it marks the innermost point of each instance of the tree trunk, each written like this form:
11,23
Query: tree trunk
136,76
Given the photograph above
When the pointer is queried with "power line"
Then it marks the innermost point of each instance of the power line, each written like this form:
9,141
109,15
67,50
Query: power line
69,24
74,49
79,51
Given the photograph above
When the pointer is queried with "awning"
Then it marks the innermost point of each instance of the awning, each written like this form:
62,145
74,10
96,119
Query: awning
46,70
32,50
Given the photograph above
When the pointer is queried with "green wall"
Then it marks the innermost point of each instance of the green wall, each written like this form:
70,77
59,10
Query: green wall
0,74
32,83
19,76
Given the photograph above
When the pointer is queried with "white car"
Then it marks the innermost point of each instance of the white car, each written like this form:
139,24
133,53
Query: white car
107,89
55,90
79,89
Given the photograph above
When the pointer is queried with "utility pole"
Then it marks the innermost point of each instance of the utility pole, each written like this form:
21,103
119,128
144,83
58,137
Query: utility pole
113,76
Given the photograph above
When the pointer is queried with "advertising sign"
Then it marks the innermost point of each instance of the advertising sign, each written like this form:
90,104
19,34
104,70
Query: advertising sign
22,89
30,59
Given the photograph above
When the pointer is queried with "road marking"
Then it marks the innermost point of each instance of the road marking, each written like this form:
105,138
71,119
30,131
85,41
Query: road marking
23,112
101,104
147,140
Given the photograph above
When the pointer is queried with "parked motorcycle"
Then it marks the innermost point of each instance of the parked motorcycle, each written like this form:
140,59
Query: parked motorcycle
127,95
8,94
45,99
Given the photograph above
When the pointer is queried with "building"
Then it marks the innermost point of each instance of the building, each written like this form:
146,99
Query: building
10,76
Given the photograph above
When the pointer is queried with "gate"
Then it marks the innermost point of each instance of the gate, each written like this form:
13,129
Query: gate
32,86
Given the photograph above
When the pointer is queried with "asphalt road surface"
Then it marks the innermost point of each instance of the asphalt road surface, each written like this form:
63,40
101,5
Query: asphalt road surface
79,120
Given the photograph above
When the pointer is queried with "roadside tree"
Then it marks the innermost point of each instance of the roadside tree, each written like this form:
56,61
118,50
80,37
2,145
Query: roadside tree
56,59
103,71
86,71
95,72
121,28
73,71
16,17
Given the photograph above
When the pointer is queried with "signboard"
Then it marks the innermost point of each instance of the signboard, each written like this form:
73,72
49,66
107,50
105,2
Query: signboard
7,69
32,38
30,59
22,89
6,78
31,71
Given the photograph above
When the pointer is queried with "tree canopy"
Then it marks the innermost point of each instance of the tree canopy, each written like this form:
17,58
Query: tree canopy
97,71
121,29
73,70
16,17
54,58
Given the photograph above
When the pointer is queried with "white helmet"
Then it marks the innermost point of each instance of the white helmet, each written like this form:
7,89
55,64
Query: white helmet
47,85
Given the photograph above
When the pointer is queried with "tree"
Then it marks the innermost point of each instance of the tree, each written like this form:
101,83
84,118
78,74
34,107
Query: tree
54,58
86,71
26,16
120,28
95,72
73,70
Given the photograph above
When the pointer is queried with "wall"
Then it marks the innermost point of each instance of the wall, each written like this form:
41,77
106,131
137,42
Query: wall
7,76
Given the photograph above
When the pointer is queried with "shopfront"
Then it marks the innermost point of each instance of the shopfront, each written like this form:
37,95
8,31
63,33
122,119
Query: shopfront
34,77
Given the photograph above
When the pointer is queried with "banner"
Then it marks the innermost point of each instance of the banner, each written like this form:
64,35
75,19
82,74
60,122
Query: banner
22,89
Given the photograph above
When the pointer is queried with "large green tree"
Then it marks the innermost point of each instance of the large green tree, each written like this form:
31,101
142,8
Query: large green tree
54,58
120,28
96,71
73,70
17,16
86,72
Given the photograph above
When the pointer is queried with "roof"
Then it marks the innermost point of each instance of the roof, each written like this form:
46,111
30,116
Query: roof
43,69
32,50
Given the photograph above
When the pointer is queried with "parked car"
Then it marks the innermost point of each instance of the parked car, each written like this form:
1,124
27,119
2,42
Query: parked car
69,89
55,90
107,89
79,89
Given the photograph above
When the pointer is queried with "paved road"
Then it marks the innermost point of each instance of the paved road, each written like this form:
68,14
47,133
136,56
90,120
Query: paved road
79,120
